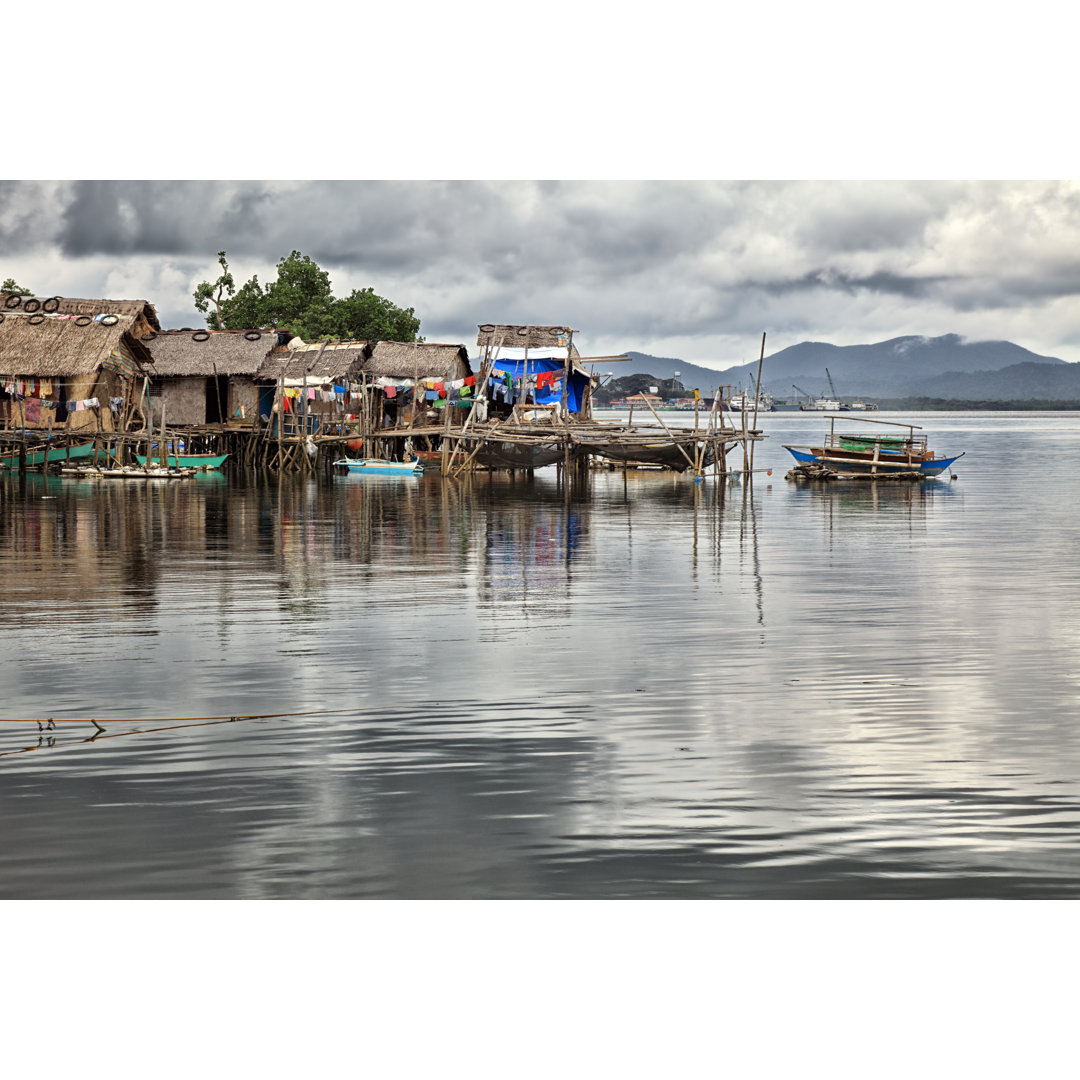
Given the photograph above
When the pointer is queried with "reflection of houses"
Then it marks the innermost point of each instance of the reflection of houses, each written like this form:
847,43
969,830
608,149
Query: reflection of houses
211,377
71,363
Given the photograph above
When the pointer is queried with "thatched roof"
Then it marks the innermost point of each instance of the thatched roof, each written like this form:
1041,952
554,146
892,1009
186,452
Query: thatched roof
520,337
69,305
61,348
342,360
426,360
337,360
224,352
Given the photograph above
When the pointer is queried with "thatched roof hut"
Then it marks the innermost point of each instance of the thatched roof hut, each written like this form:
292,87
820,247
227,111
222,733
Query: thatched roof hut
63,348
142,311
208,353
319,362
341,361
423,360
521,337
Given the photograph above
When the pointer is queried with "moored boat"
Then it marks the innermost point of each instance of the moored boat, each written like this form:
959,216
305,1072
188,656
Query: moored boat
376,467
9,459
744,401
872,455
671,452
188,461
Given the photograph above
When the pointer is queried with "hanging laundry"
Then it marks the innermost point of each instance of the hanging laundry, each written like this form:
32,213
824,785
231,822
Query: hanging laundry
391,391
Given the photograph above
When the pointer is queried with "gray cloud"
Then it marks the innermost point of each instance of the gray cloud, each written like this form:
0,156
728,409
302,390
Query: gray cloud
691,268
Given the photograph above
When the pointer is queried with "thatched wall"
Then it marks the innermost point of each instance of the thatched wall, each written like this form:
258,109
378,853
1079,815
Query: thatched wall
184,400
226,352
425,360
520,337
142,311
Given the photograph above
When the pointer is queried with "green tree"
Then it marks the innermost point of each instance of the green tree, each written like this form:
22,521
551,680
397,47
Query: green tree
365,316
12,289
300,300
244,311
207,294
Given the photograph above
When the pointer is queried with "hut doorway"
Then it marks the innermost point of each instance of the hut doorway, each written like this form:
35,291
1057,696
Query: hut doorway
217,399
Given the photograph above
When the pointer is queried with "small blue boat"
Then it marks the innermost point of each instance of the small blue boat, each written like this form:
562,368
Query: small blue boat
869,455
375,467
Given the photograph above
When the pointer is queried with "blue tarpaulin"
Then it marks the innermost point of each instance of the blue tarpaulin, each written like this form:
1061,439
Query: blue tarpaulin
545,395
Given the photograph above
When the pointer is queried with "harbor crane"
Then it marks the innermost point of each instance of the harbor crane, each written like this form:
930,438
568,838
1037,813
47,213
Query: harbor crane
800,390
832,389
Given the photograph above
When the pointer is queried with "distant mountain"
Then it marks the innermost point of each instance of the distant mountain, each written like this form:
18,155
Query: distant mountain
942,367
663,368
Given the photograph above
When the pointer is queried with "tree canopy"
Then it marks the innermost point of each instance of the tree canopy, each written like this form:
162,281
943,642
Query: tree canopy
10,287
300,300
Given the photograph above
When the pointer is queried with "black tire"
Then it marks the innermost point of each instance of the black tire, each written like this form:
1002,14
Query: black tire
201,335
487,328
1,316
523,331
186,329
253,335
54,301
83,320
35,319
110,320
31,305
148,337
13,301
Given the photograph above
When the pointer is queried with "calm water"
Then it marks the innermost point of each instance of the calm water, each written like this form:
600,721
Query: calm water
652,688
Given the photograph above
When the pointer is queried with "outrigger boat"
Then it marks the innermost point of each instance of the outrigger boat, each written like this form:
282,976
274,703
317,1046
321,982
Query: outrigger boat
376,467
187,461
869,455
38,455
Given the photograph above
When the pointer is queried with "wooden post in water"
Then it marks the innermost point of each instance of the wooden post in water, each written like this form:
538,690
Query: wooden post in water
757,395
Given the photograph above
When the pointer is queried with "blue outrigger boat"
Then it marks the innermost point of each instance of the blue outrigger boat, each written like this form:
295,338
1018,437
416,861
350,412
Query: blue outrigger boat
868,455
375,467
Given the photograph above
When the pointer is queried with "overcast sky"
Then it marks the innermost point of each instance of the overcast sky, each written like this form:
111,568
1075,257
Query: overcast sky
695,270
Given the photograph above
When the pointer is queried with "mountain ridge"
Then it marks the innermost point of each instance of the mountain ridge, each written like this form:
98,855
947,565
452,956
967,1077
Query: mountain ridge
947,366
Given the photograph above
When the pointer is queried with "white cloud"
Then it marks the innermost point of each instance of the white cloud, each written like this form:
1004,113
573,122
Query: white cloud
694,269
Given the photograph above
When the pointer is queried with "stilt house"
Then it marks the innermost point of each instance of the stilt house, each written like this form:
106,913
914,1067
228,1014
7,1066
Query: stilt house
532,366
212,377
72,363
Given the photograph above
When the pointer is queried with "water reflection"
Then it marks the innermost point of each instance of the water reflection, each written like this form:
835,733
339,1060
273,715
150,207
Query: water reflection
634,686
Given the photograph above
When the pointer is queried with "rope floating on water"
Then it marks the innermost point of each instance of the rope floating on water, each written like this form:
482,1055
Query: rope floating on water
173,723
160,719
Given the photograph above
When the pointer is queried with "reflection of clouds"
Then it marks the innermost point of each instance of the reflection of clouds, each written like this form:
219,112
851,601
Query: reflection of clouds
650,687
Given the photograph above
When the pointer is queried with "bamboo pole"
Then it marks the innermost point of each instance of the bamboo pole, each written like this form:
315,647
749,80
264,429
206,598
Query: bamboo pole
674,439
757,396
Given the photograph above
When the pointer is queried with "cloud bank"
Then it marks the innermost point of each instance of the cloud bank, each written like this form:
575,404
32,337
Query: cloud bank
694,269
